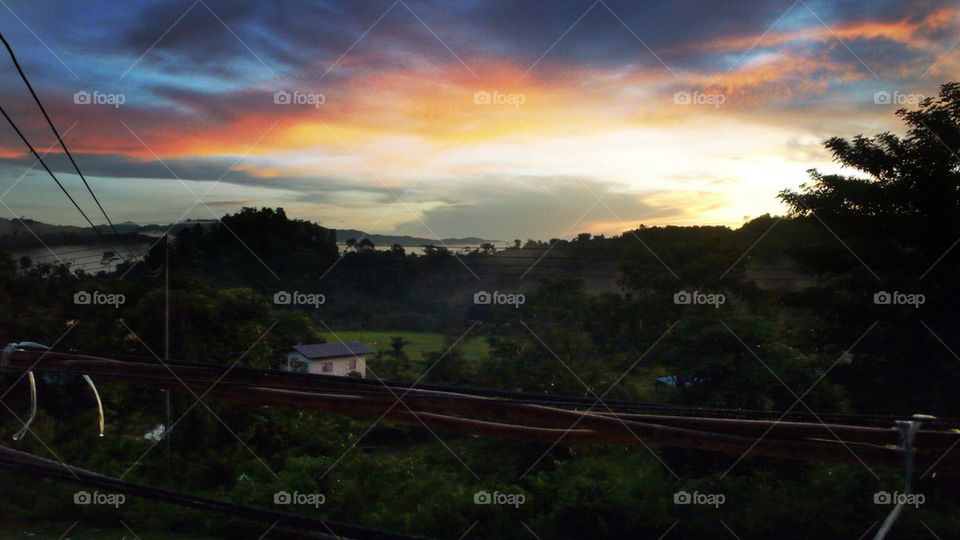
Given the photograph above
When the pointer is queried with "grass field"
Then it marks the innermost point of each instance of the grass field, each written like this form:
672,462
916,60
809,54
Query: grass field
419,344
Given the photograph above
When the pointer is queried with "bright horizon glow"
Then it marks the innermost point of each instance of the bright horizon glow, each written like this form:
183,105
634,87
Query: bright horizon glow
594,114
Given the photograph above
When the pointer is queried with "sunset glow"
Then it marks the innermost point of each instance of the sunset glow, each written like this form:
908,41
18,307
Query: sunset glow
459,108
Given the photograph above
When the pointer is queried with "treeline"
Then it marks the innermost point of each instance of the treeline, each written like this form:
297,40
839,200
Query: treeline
684,319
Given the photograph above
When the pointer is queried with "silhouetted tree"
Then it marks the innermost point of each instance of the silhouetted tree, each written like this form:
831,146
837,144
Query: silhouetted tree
894,228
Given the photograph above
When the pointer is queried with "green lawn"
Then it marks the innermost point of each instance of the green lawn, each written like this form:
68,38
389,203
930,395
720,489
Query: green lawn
419,344
641,381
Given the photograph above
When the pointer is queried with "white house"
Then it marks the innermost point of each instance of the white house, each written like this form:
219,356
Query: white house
329,358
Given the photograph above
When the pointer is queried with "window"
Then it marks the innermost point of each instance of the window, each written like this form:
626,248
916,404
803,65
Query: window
326,367
353,364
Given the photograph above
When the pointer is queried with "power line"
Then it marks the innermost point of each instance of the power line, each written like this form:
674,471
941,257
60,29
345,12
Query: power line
502,414
295,380
26,81
291,380
282,521
55,179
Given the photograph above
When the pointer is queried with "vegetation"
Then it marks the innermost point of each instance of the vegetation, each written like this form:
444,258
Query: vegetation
416,344
599,316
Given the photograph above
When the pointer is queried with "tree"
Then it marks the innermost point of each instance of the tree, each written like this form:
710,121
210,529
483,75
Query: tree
431,250
397,343
393,363
448,365
708,355
236,249
893,228
910,200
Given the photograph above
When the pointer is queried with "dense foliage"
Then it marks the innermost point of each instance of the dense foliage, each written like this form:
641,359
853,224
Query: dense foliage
600,317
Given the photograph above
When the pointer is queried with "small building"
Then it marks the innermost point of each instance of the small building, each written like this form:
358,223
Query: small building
340,359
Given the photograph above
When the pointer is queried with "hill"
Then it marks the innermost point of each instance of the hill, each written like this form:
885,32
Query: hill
386,239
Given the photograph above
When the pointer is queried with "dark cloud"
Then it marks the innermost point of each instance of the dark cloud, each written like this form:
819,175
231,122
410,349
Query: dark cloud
291,35
600,37
288,36
119,166
197,79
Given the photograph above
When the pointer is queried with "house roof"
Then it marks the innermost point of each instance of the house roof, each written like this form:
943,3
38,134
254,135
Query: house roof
331,350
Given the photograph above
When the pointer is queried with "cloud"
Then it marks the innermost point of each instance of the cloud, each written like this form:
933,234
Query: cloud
539,207
121,166
399,105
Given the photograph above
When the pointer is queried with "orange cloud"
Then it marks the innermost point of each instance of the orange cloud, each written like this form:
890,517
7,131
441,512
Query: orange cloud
905,31
405,117
779,77
11,153
444,105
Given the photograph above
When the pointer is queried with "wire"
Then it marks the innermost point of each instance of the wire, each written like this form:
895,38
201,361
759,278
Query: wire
55,179
56,133
55,360
23,462
310,381
483,416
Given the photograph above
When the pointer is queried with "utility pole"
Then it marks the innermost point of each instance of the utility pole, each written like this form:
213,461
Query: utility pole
166,340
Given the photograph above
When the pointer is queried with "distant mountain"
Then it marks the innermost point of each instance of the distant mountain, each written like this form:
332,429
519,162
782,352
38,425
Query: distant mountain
386,239
15,233
122,228
20,233
30,233
17,227
159,230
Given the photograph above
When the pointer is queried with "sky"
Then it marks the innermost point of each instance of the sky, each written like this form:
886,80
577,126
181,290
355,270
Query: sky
500,119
